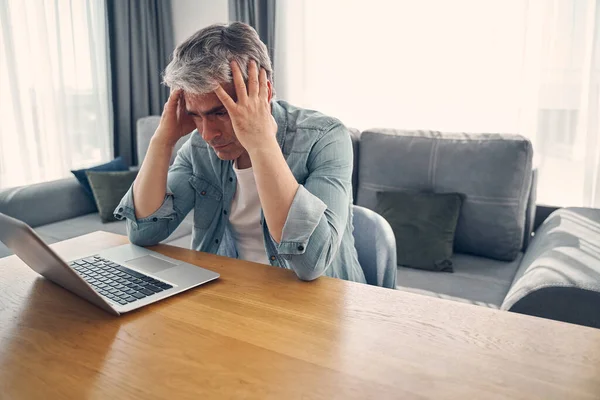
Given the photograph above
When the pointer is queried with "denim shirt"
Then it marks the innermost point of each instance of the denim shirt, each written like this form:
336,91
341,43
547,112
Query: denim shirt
317,235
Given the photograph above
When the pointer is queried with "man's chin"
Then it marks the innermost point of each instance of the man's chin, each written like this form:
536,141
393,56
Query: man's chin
227,155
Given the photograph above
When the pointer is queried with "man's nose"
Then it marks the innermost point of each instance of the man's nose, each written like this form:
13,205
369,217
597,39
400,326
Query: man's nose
209,130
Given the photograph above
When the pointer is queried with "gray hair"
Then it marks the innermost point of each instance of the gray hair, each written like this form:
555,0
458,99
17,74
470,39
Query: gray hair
202,61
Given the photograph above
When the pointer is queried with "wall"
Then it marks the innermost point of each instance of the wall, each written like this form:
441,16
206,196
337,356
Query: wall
192,15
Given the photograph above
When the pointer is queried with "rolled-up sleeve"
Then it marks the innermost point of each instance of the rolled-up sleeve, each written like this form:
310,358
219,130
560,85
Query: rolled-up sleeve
178,202
318,215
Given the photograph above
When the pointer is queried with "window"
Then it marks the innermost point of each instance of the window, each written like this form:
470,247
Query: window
54,89
528,67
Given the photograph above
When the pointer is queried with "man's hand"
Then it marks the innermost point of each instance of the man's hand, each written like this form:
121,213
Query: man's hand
253,124
255,129
174,121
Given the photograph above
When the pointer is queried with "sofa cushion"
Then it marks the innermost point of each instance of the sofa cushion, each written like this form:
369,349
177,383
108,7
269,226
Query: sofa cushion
91,222
475,280
493,171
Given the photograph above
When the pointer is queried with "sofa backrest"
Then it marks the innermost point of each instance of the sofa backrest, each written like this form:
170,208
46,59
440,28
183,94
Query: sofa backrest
493,171
145,129
46,202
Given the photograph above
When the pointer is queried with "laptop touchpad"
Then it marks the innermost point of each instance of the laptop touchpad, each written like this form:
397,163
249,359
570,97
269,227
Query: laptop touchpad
150,264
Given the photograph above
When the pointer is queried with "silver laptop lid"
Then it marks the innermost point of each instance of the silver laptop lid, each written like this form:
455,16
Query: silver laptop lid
29,247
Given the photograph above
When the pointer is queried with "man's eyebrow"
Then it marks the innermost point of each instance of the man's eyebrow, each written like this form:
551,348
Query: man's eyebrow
213,110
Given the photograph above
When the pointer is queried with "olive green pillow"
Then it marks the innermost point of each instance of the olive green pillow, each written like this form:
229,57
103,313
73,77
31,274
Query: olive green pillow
424,225
108,189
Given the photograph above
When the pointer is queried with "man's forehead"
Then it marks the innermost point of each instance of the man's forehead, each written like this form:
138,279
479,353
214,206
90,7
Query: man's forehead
208,101
201,102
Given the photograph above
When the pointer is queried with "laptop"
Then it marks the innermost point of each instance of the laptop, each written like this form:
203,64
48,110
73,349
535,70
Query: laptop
118,280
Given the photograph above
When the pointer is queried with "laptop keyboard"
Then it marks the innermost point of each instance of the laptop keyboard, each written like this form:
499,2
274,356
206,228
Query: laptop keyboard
117,282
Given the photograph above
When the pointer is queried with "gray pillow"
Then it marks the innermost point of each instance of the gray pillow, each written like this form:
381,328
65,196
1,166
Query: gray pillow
108,189
424,225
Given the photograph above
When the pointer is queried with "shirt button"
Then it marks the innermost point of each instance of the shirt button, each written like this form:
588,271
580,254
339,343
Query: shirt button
300,248
273,258
225,212
203,193
217,241
154,219
230,179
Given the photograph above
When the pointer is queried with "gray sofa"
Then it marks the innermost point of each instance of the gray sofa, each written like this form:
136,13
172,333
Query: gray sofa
499,262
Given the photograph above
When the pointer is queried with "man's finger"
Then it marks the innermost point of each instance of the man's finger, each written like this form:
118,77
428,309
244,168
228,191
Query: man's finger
263,92
225,99
180,106
238,81
252,78
171,104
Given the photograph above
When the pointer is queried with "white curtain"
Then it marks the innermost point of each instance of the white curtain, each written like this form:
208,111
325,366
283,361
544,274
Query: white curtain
512,66
559,98
54,89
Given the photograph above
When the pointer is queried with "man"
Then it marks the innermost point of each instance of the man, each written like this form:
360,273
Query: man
268,182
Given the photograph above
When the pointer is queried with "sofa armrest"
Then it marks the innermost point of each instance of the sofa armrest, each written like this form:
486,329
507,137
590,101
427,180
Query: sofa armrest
559,276
542,212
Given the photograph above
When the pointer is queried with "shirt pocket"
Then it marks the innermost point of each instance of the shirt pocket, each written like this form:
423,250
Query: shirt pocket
207,201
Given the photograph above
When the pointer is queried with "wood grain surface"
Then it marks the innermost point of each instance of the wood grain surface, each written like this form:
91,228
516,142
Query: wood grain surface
258,332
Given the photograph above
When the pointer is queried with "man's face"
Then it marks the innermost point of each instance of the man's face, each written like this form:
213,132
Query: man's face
214,124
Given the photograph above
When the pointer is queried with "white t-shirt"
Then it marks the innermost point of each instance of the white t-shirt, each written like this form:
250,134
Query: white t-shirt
245,218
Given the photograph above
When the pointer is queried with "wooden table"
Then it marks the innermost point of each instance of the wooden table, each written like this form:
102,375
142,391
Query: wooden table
259,332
